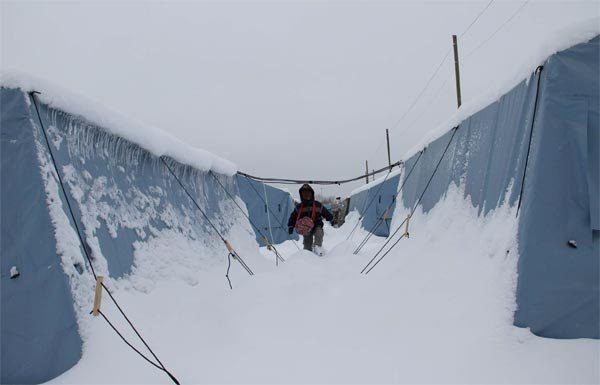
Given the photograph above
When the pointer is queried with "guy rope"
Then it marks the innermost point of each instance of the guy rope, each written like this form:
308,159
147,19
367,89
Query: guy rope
409,216
270,247
227,244
99,279
379,221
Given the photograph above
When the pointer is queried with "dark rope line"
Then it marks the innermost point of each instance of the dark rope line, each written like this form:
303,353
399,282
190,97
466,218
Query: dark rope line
193,200
227,273
277,255
368,236
323,182
131,324
137,351
62,186
359,219
370,203
263,201
477,18
388,240
455,130
32,95
380,220
246,215
386,253
269,210
539,73
129,343
378,223
239,259
496,31
244,265
357,222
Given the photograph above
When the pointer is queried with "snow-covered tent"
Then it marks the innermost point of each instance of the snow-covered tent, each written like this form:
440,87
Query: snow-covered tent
126,203
376,204
269,209
535,147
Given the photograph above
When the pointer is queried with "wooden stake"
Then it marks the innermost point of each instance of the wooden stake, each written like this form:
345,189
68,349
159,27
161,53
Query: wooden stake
98,296
267,243
231,250
367,170
385,214
406,229
456,70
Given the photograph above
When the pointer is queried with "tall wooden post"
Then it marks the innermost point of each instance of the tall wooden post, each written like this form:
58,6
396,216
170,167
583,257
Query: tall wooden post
456,70
367,170
387,136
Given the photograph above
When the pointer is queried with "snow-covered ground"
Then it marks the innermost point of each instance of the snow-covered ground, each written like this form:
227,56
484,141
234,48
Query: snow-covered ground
437,309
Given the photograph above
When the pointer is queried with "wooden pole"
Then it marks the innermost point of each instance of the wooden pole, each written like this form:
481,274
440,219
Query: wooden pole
387,136
456,70
98,296
367,170
231,250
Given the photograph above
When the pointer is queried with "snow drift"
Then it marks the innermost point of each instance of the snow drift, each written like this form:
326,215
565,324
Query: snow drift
535,148
134,219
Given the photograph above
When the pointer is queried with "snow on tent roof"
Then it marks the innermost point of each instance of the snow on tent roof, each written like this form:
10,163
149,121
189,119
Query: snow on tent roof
153,139
558,40
376,181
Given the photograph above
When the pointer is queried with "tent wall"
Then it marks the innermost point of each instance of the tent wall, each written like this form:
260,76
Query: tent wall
123,198
39,329
272,220
558,285
558,290
376,205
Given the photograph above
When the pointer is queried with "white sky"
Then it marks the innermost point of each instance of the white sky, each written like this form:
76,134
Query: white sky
283,89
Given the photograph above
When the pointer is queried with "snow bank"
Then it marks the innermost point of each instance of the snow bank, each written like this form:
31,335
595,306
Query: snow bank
438,309
557,41
152,139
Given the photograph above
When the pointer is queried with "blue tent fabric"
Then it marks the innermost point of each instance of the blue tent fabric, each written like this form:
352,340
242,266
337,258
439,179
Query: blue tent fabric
558,285
123,175
558,290
376,205
120,194
271,220
37,314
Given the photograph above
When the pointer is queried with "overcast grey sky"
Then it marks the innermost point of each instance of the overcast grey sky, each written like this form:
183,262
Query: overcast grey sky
300,89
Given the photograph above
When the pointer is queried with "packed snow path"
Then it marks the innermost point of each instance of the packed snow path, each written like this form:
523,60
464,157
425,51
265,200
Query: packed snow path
438,309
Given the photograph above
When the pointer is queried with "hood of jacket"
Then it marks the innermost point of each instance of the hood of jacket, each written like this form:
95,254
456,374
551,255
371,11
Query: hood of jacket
307,187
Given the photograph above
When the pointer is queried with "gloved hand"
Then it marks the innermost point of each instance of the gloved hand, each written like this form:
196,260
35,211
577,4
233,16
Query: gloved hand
290,230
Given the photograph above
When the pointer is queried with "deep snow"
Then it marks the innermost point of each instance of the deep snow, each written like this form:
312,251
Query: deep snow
437,309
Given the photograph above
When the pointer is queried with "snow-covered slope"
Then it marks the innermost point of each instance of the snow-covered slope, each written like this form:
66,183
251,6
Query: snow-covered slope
438,309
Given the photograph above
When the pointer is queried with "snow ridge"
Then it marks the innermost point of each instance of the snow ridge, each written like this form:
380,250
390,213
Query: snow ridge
153,139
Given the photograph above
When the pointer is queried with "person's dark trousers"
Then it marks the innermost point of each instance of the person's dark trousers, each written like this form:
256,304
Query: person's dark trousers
318,239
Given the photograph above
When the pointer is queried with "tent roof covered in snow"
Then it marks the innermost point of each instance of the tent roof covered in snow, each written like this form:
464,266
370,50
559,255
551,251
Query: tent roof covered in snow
535,147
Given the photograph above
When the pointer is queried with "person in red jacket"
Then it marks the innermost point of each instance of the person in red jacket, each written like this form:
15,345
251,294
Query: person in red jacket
307,219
